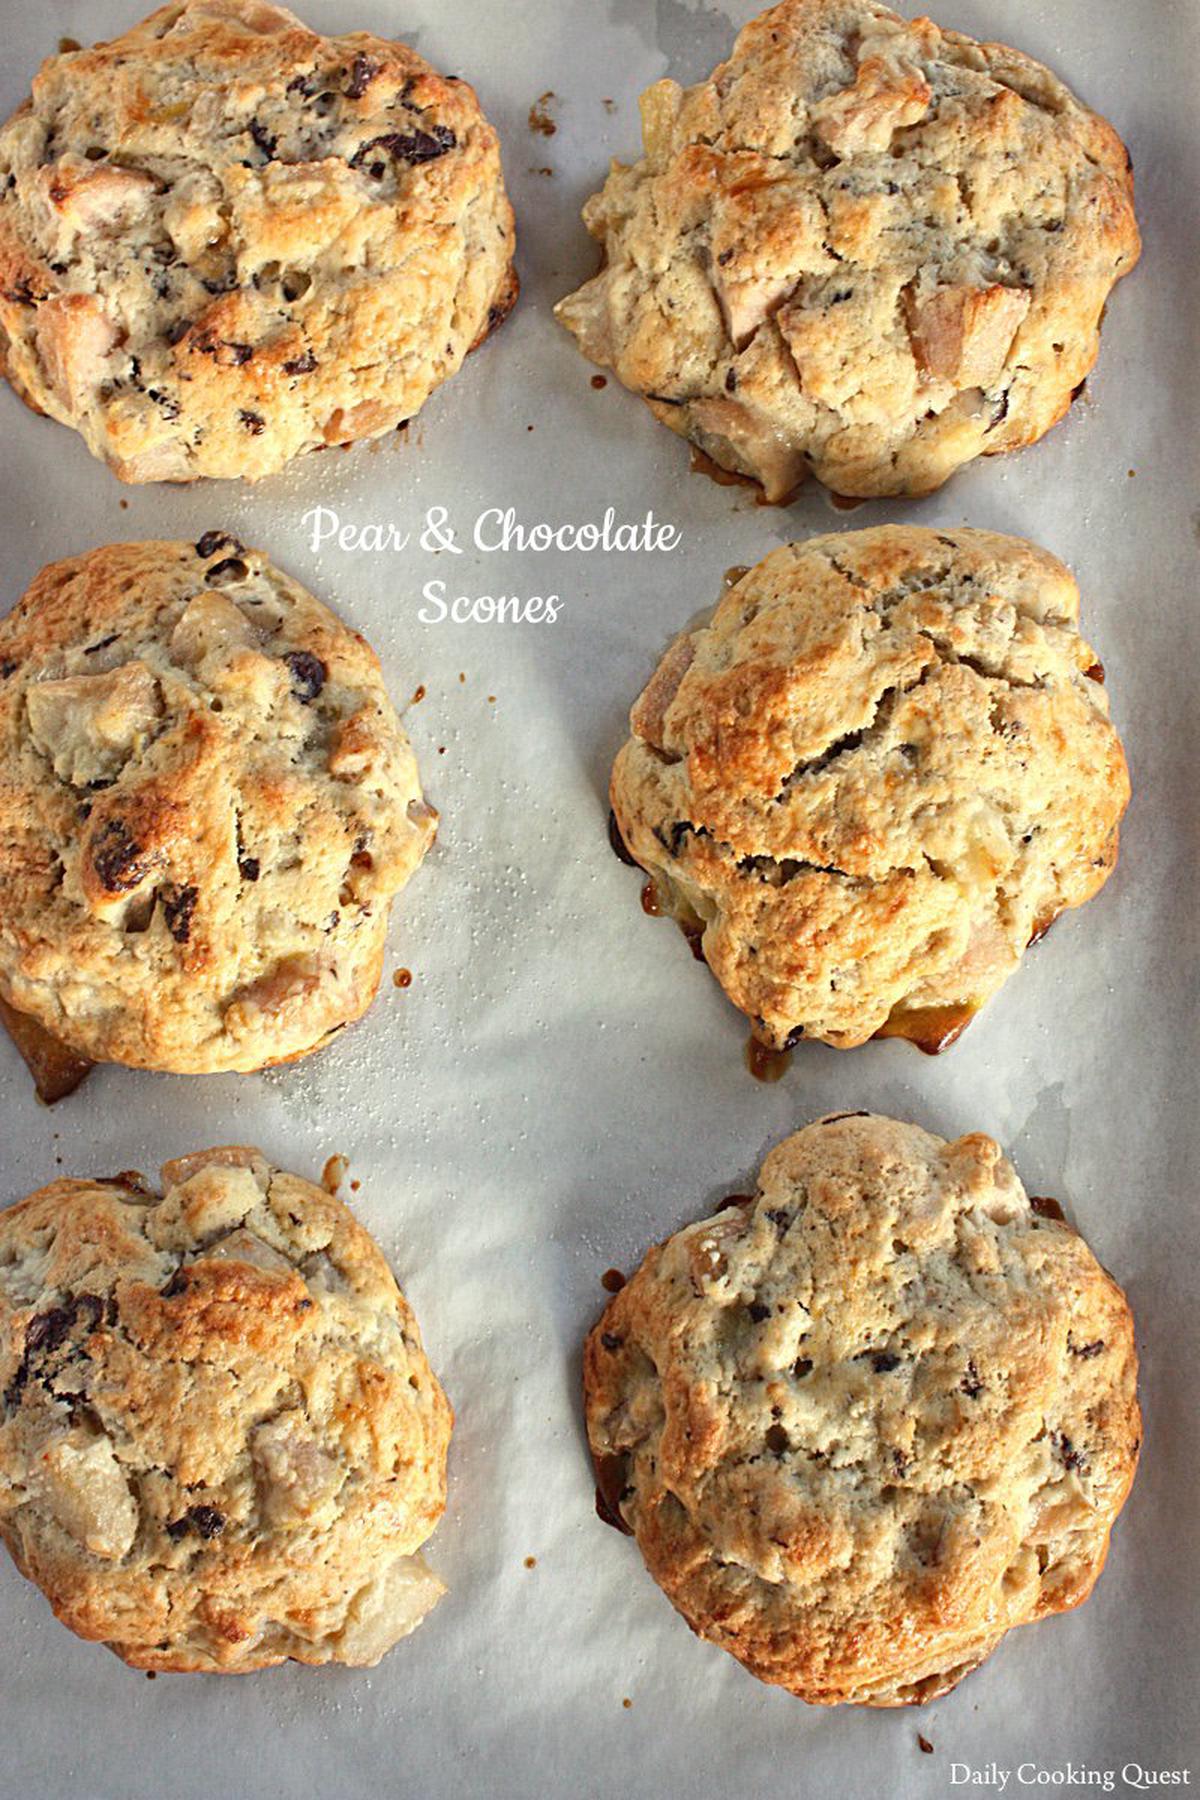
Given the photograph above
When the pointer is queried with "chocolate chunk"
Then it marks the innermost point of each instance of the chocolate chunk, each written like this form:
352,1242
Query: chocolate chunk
254,422
207,1520
1045,1208
212,541
1068,1455
363,71
178,904
730,381
619,847
46,1331
249,868
406,147
883,1361
166,403
758,1312
778,1440
680,831
301,365
971,1385
802,1367
1086,1351
222,573
793,1037
308,674
118,860
265,140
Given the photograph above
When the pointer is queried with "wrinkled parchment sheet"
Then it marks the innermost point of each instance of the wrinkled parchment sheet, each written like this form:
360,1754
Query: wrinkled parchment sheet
561,1085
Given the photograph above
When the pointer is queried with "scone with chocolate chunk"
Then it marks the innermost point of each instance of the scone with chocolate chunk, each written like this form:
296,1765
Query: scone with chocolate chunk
869,1418
221,1445
207,806
226,241
864,249
874,778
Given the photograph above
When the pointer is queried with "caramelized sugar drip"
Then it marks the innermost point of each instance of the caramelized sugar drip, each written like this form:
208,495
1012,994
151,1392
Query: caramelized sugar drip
931,1028
611,1472
650,902
703,464
695,937
733,575
844,503
764,1063
1042,925
56,1070
612,1281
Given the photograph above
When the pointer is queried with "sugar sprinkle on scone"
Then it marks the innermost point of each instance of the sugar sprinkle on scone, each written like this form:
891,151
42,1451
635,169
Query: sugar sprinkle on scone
207,806
221,1445
226,240
864,249
869,1418
874,778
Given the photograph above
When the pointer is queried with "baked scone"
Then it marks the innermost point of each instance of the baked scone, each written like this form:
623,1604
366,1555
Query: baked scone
225,240
221,1445
864,249
207,805
881,771
869,1418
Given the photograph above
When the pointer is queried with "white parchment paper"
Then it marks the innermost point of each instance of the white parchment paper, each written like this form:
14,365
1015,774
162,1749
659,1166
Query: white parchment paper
561,1085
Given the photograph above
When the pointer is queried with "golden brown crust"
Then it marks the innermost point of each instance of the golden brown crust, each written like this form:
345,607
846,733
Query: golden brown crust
875,776
226,241
865,249
207,805
871,1418
221,1444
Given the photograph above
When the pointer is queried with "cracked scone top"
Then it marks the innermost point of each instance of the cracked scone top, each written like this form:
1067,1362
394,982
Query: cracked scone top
207,805
880,771
221,1445
864,249
869,1418
225,240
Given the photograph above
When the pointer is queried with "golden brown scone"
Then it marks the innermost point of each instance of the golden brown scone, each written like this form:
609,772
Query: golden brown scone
864,249
225,240
869,1418
880,771
207,805
221,1445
